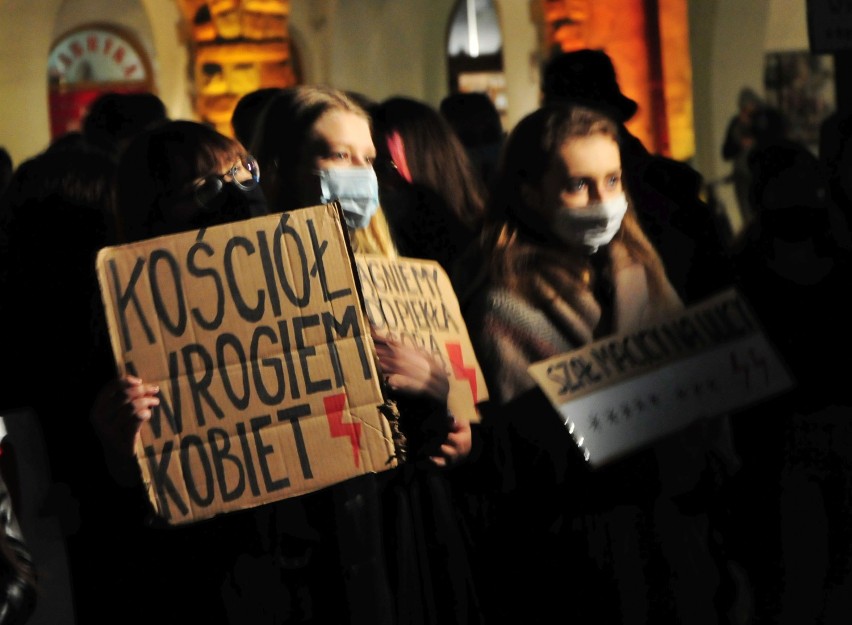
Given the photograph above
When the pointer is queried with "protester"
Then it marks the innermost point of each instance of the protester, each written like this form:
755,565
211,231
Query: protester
247,111
793,490
114,118
564,262
316,144
666,193
428,188
475,119
56,214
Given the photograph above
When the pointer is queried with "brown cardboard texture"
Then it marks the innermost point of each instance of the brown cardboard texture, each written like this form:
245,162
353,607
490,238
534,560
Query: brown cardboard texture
255,333
413,300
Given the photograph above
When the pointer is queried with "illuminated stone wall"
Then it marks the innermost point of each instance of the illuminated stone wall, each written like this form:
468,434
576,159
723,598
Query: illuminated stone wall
651,60
236,46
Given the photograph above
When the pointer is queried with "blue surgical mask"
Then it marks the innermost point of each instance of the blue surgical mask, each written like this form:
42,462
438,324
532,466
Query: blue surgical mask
357,190
590,227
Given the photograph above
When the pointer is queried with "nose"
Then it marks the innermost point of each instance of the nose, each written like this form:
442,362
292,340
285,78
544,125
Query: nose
596,194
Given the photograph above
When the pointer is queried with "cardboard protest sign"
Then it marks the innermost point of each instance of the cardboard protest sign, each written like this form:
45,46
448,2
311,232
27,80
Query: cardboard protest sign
256,335
623,392
412,300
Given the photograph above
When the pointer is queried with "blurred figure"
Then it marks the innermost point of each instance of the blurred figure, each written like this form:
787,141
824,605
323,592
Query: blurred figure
563,262
476,121
793,500
739,139
57,213
665,192
428,188
247,112
113,119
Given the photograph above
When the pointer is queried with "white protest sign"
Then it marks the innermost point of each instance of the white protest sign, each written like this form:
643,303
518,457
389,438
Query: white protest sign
621,393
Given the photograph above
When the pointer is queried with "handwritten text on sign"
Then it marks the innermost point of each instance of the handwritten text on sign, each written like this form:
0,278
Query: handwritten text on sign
413,301
256,337
623,392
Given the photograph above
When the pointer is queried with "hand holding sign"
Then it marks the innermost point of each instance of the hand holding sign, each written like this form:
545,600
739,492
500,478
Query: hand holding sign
412,302
121,408
411,371
415,373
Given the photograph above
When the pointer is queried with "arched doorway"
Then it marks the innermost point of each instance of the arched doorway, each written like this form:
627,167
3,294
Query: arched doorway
88,61
475,52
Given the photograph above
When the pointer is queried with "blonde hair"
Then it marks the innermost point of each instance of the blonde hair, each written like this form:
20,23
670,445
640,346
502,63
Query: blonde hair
280,140
375,238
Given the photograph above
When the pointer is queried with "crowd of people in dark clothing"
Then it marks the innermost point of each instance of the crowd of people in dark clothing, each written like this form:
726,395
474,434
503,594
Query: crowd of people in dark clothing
561,232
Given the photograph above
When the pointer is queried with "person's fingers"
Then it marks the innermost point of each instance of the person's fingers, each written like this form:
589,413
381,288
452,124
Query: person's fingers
439,461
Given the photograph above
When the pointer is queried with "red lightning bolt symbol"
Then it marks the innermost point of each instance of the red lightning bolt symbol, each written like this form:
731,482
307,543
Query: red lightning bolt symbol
459,370
334,413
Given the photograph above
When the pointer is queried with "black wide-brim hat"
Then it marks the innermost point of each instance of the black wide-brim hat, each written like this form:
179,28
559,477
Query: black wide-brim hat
586,77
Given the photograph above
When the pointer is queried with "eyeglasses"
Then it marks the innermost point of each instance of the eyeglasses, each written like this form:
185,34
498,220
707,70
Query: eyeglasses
245,175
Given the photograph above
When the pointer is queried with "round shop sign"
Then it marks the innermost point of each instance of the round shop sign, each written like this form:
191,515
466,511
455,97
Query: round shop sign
96,54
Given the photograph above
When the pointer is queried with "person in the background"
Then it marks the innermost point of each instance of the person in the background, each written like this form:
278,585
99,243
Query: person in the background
740,137
476,121
315,146
794,489
247,111
666,193
428,188
56,214
113,119
564,261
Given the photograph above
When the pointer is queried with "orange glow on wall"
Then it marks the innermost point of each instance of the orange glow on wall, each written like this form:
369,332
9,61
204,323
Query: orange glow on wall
648,42
237,46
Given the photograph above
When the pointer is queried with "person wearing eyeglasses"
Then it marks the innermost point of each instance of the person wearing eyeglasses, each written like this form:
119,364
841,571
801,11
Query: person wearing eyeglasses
176,177
184,175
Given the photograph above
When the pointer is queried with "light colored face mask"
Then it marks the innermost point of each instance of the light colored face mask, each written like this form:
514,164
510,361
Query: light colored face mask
357,190
592,226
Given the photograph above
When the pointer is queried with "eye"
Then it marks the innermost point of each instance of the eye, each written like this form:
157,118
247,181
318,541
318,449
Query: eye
576,185
370,160
613,181
341,155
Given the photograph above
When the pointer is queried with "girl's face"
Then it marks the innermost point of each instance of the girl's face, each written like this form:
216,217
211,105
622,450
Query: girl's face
338,139
342,139
584,170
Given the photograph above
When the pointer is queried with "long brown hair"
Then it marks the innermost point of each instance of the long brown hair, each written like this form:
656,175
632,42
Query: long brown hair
434,155
515,240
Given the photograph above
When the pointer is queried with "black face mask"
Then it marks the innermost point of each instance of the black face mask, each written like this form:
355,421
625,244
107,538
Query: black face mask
231,204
